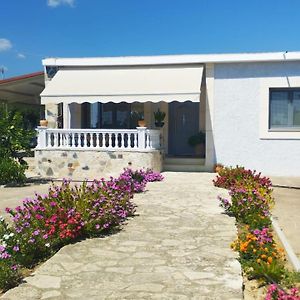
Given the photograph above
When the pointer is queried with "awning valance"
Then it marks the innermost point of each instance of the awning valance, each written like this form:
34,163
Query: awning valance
128,84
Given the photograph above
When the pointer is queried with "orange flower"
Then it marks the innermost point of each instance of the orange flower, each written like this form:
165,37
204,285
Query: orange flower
263,256
270,259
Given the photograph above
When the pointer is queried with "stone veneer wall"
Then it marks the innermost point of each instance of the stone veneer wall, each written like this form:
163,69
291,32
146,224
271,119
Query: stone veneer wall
91,164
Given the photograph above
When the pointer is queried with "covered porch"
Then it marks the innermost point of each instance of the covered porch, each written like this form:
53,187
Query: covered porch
93,112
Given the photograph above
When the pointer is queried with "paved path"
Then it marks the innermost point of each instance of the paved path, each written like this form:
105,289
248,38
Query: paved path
287,213
13,196
177,247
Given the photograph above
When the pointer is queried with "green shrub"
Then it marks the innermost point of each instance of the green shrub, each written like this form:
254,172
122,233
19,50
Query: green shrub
9,273
11,171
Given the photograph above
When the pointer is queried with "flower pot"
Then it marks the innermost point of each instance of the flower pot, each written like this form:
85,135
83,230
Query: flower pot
159,124
43,123
142,123
200,150
218,168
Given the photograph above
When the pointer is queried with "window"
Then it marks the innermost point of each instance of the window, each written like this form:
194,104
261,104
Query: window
109,115
284,109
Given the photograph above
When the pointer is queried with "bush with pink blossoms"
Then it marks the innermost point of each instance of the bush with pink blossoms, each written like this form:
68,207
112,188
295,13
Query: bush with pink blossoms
67,213
138,179
250,202
276,293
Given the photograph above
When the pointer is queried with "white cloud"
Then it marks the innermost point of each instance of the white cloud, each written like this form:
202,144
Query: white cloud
21,56
55,3
5,44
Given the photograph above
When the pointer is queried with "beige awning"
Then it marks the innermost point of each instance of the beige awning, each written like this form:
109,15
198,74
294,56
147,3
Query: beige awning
128,84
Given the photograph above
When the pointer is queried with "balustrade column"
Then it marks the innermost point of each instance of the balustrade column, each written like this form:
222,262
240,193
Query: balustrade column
41,138
141,137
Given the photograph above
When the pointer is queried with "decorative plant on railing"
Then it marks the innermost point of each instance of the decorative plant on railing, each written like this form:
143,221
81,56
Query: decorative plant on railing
159,117
138,117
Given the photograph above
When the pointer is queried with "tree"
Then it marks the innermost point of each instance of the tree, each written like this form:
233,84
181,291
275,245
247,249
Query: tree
14,145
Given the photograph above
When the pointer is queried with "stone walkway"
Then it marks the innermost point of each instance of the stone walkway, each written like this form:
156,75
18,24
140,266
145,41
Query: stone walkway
177,247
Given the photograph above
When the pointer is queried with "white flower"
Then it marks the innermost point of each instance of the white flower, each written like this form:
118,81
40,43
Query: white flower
6,236
11,234
1,219
4,244
47,245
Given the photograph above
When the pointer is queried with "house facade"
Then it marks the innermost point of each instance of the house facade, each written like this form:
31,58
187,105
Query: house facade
246,105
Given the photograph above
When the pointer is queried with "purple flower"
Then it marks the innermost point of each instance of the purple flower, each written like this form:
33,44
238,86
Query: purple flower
16,248
36,232
5,255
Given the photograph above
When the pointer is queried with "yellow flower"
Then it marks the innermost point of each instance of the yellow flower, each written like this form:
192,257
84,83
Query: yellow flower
258,260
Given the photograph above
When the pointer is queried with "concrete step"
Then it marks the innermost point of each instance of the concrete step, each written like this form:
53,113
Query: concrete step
184,164
184,161
184,168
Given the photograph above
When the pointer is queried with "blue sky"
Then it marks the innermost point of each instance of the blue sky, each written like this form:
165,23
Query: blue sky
33,29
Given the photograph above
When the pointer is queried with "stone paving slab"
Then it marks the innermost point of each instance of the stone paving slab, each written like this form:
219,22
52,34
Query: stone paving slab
176,247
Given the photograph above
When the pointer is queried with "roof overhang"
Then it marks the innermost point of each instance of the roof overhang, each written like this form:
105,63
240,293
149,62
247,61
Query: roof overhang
125,84
173,59
22,89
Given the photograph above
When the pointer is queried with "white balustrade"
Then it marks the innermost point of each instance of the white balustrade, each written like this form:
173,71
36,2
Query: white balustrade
111,139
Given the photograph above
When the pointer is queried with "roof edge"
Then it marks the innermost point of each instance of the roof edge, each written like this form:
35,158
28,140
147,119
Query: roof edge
22,77
173,59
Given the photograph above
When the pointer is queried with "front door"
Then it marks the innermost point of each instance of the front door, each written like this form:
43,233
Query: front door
183,123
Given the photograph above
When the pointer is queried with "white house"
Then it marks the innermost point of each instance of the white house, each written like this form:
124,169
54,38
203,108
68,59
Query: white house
248,106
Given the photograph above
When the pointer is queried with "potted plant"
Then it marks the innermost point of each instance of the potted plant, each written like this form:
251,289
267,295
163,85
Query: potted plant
139,117
159,117
43,123
197,141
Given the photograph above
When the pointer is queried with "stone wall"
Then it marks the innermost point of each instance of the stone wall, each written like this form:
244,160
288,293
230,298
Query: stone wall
91,164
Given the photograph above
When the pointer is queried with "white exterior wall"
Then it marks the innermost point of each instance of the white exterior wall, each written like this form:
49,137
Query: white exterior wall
240,116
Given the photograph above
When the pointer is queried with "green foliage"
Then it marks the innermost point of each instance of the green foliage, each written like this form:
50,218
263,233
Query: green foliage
14,139
197,139
267,273
159,116
9,273
137,115
11,171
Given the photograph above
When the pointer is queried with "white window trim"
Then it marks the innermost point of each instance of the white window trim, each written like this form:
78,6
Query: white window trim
265,85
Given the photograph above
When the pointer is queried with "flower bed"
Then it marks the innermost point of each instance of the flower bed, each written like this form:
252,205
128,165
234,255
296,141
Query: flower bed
44,224
250,203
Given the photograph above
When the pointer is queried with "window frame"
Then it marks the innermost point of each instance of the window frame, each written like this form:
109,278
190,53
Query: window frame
290,92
